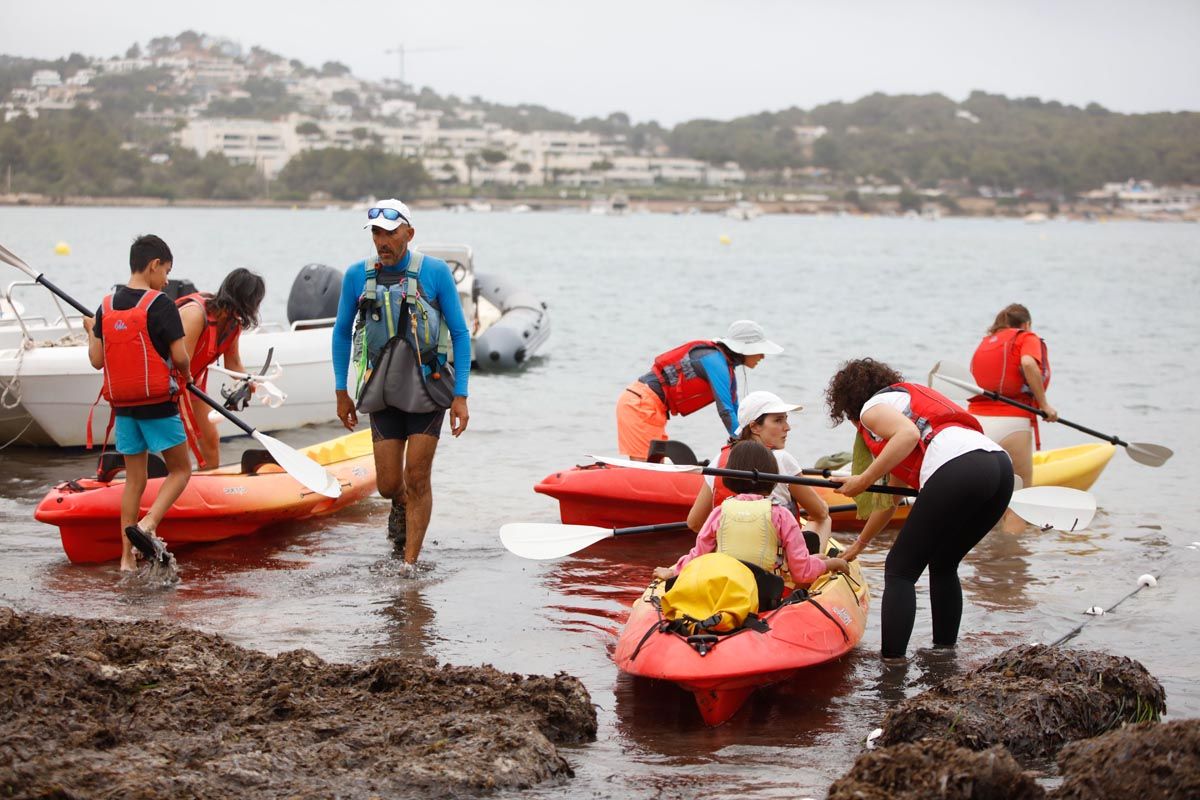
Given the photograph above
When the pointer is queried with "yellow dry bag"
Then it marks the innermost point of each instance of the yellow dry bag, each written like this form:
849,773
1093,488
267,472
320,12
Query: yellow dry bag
712,594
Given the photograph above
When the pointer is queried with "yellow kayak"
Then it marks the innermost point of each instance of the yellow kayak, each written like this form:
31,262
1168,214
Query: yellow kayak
1075,467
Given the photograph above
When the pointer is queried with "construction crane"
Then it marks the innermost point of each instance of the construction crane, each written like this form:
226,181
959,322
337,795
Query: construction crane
401,50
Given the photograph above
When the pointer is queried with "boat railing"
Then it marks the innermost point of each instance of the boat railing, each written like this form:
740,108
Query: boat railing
63,319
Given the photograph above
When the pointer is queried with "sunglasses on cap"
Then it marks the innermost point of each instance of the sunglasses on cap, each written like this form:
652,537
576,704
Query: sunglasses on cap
387,213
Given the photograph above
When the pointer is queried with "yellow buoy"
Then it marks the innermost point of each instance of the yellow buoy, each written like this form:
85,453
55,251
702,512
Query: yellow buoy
62,249
724,239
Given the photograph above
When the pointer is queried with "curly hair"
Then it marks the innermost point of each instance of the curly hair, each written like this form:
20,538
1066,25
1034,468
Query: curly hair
854,384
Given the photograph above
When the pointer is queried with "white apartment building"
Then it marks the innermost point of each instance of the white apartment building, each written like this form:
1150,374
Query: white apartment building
266,145
45,78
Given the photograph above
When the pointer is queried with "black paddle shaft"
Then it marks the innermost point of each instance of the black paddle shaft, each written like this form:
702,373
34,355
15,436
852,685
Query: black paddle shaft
80,307
196,390
1033,410
755,475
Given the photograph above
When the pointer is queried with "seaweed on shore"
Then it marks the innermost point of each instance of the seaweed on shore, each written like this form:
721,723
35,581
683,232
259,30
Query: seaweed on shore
148,709
934,768
1032,699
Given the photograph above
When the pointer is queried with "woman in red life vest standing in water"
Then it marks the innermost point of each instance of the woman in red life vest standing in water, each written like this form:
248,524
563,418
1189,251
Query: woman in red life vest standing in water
1013,362
920,438
212,328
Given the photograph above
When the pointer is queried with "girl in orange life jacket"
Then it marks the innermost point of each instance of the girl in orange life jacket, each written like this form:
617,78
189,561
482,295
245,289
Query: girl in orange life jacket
763,418
921,438
1012,361
684,380
212,326
751,528
132,336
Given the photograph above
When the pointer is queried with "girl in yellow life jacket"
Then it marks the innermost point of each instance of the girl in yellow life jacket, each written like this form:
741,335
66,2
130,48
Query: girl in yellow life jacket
749,527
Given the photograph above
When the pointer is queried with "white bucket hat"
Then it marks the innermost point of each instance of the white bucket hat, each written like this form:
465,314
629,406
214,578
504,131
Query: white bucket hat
747,338
755,404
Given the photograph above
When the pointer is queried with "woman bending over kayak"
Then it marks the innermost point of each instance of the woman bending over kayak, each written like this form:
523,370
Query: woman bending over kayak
763,418
1012,361
212,328
753,529
966,481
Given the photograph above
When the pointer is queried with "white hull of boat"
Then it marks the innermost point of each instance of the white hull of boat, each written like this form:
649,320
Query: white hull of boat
57,386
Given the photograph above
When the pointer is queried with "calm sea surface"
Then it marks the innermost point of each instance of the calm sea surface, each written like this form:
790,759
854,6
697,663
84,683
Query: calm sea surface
1116,302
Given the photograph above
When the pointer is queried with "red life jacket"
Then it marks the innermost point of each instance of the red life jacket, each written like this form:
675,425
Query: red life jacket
134,373
212,343
932,413
996,365
720,491
685,389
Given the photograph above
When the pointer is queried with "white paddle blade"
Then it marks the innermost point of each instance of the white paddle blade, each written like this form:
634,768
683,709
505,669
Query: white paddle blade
954,381
308,472
622,461
12,259
1152,455
545,540
1054,507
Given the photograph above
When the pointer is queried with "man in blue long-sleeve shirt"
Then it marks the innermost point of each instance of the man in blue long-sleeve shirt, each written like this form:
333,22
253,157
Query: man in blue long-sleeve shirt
405,439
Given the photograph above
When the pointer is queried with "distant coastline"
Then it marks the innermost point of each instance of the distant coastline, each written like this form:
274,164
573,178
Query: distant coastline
967,207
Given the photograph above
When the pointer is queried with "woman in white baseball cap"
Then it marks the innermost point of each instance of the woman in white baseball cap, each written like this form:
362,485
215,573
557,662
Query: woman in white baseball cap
763,418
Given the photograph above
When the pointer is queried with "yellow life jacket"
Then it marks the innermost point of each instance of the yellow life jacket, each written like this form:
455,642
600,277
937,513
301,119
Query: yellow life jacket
747,533
714,593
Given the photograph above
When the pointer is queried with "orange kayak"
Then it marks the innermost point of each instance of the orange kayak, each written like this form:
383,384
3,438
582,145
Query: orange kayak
217,504
721,672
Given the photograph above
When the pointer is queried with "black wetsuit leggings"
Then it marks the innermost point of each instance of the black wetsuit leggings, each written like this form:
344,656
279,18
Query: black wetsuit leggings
955,510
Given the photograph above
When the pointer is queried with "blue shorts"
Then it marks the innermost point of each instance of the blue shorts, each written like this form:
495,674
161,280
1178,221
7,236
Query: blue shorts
149,435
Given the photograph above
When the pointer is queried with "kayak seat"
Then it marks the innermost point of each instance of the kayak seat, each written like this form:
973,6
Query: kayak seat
110,464
253,460
677,451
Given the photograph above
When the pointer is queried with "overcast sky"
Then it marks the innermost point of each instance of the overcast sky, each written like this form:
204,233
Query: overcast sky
671,60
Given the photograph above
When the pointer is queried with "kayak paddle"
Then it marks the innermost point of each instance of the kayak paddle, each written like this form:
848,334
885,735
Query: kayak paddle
1152,455
1061,508
308,472
545,540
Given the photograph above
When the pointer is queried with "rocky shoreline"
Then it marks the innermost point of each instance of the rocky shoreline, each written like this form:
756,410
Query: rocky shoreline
100,708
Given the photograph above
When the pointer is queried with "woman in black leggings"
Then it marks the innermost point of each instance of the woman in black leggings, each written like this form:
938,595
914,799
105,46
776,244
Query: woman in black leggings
920,438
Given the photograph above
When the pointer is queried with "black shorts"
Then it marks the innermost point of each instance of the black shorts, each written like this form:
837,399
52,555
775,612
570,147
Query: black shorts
392,423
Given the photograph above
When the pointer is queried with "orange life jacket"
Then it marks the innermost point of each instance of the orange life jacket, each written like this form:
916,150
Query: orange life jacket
134,373
996,365
213,343
932,413
685,389
720,491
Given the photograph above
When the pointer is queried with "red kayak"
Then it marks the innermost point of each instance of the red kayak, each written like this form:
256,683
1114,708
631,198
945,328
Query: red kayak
217,504
619,497
722,671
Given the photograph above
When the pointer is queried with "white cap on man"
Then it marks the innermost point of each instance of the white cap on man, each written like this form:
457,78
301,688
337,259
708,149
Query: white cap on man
388,214
755,404
747,338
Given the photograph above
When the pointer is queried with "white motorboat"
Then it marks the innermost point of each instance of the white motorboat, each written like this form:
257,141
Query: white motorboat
48,386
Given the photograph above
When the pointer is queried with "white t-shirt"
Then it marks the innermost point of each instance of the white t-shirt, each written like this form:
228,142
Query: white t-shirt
947,445
788,465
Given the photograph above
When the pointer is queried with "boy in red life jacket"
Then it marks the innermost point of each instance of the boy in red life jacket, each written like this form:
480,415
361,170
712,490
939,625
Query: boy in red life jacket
212,329
136,337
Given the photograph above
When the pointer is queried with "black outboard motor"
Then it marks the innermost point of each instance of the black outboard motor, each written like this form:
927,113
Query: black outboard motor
315,293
